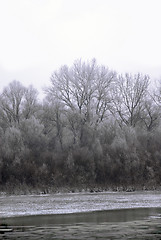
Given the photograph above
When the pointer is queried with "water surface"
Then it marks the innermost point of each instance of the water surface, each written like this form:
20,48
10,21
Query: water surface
80,207
107,216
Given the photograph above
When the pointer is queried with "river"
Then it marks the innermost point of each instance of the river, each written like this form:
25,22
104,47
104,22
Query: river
70,206
106,215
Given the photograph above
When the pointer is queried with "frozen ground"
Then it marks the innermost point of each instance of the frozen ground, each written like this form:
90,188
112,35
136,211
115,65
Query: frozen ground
11,206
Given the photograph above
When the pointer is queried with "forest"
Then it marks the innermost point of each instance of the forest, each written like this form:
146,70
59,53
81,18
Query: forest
93,129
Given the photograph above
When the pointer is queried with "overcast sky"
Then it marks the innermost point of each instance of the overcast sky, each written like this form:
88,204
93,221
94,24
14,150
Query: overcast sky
38,36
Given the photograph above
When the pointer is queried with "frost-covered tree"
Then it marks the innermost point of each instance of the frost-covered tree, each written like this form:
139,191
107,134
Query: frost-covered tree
17,102
84,88
11,103
84,91
128,97
30,105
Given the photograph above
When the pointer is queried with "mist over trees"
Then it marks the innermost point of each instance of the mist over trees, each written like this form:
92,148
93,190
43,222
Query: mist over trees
94,127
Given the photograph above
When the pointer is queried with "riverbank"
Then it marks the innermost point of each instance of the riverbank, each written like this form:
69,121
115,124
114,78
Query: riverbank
149,229
108,215
30,190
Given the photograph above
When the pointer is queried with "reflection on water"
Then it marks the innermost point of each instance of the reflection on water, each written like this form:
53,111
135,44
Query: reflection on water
122,215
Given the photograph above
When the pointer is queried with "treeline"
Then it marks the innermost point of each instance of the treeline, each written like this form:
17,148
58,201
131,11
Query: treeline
94,127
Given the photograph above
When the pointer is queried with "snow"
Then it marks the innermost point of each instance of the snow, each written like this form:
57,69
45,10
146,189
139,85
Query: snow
11,206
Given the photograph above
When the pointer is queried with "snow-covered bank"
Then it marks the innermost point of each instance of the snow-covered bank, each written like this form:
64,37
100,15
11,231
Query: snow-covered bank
62,203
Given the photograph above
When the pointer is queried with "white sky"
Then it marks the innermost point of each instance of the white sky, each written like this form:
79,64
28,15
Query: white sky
38,36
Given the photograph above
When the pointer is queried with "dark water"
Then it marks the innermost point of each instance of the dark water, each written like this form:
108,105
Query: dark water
122,215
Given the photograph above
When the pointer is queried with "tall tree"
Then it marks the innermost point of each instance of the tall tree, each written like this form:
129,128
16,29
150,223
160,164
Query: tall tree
30,105
150,116
53,120
84,90
11,102
128,96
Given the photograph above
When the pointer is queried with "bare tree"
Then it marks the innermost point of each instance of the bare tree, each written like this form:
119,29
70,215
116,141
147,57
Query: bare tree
156,95
150,115
128,96
84,88
11,101
30,104
53,120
